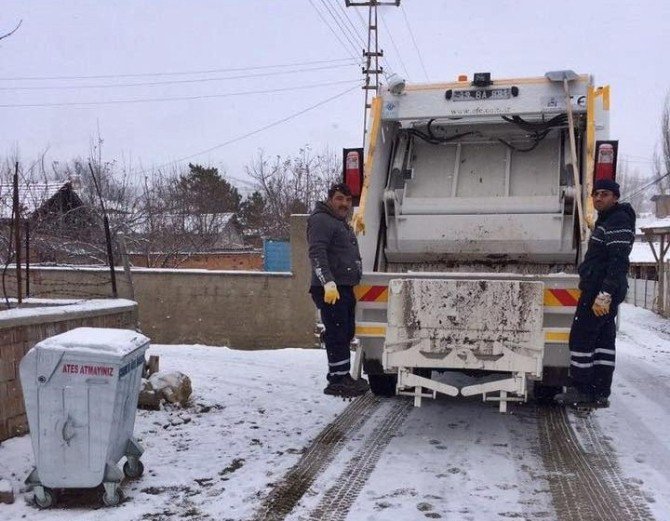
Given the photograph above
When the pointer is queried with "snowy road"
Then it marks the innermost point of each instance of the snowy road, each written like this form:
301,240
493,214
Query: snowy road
260,434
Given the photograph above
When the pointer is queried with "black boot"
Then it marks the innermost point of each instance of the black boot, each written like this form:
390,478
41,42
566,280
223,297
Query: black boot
347,387
574,397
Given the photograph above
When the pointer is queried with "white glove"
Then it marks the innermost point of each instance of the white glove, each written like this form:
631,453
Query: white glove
331,295
601,306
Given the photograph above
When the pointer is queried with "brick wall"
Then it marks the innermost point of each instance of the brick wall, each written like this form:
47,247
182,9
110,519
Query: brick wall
21,329
251,260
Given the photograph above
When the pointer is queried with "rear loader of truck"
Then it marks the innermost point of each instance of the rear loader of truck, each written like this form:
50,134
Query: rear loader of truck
473,215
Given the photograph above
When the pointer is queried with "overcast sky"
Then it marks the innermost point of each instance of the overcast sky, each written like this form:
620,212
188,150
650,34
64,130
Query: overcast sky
166,45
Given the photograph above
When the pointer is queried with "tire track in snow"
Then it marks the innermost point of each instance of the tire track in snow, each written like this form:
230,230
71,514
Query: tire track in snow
628,493
585,486
335,504
283,498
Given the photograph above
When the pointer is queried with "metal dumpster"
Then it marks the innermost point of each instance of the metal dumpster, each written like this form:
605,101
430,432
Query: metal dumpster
80,390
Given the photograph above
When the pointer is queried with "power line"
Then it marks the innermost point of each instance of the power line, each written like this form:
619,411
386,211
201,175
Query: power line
257,131
342,28
337,36
178,98
178,82
177,73
343,12
411,33
402,63
345,24
657,180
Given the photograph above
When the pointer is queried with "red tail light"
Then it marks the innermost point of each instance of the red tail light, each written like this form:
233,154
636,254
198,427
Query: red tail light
605,162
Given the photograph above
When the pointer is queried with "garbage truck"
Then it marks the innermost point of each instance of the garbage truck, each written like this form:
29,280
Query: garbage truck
473,212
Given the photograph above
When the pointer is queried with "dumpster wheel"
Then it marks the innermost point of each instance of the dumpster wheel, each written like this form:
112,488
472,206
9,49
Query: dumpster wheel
112,495
44,497
133,469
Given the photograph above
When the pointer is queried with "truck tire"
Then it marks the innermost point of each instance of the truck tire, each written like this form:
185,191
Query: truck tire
383,384
544,394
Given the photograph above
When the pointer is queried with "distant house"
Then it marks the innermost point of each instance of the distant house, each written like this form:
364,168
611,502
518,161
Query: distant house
191,240
57,219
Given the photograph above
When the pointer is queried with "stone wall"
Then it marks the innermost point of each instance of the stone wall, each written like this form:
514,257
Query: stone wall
21,329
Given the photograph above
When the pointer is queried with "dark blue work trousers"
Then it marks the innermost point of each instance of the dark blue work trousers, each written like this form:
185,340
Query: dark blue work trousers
592,349
339,320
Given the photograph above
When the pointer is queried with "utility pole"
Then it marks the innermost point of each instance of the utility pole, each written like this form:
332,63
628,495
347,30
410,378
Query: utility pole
371,54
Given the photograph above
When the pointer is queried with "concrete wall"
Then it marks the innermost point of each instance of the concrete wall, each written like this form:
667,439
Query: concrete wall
21,329
246,310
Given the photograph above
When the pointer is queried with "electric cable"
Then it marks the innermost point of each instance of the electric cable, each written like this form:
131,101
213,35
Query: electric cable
529,126
411,33
645,187
395,47
343,32
176,98
256,131
336,15
176,82
175,73
343,10
337,36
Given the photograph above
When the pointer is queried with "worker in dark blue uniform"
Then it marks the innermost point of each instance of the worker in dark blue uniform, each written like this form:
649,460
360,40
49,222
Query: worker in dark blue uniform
336,269
603,284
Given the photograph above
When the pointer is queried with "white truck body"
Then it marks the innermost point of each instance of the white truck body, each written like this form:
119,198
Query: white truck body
470,189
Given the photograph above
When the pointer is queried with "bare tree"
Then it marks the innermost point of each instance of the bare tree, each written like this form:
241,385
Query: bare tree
662,158
291,185
631,181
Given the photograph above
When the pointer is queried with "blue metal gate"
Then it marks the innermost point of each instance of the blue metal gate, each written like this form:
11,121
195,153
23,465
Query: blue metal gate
276,255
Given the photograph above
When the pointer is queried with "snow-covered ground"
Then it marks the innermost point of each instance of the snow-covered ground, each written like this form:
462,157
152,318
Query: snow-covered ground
254,412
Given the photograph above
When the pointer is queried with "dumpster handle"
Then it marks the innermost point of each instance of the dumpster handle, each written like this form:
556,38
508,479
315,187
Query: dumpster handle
67,431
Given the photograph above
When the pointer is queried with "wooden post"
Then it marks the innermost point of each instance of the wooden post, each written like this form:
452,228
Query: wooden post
17,234
126,265
660,274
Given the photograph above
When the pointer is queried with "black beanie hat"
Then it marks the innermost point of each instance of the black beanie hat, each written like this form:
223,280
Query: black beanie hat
607,184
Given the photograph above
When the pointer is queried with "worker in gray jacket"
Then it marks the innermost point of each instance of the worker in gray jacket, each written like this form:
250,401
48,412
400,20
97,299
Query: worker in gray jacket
336,269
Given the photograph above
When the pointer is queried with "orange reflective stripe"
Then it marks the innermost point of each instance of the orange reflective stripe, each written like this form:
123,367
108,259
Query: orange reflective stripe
552,297
371,293
561,297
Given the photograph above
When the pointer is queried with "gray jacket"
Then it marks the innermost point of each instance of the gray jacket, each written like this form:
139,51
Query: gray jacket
333,249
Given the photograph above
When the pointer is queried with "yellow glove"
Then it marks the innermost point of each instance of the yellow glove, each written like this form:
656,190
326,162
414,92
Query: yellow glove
331,295
601,306
357,222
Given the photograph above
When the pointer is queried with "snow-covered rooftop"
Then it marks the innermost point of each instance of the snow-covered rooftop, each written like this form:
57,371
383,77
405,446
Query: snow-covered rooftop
31,197
642,254
650,221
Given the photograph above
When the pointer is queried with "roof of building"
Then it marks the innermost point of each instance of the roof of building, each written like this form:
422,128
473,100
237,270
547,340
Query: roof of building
31,197
649,220
642,254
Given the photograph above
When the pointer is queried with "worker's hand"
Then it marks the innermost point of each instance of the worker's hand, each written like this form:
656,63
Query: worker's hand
331,295
357,223
601,306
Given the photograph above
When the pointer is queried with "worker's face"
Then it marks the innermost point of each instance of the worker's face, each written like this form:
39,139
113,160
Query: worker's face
340,204
604,200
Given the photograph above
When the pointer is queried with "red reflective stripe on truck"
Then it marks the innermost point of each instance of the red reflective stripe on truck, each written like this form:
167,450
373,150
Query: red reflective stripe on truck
371,293
561,297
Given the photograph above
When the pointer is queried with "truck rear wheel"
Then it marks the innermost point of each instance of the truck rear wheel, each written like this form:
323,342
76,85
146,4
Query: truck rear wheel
544,394
383,384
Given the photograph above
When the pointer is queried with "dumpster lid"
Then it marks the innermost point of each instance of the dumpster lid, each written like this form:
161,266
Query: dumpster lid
113,341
